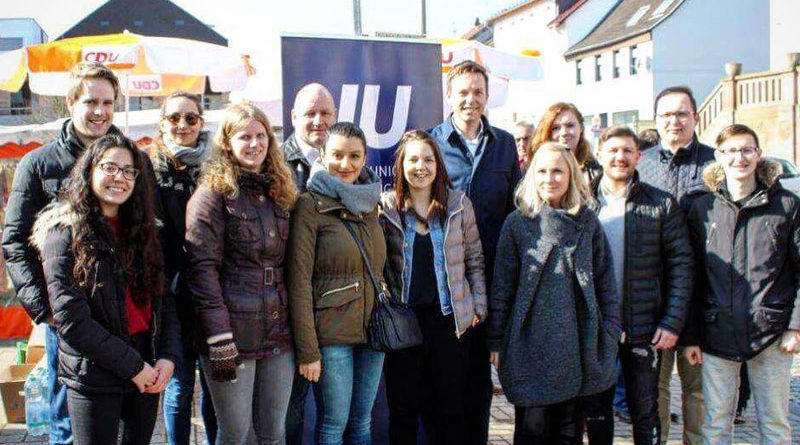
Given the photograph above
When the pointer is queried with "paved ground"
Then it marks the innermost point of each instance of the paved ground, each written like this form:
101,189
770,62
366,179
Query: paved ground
502,425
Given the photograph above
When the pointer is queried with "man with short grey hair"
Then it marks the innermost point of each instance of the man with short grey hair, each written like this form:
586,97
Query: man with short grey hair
523,137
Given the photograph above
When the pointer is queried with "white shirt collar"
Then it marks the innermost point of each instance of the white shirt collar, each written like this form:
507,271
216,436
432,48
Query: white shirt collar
309,152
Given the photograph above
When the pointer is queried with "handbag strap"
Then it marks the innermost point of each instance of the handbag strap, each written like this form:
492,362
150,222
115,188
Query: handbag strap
381,295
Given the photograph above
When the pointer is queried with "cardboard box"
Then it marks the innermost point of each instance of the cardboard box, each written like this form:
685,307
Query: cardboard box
12,395
35,345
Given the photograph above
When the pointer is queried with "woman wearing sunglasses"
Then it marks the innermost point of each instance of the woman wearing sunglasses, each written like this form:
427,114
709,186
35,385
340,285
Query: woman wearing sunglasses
118,334
178,149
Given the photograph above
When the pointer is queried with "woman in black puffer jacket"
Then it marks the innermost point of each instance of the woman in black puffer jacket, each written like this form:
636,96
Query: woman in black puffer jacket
118,334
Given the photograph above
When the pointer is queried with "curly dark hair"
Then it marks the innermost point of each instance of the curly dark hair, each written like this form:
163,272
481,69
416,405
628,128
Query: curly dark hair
138,248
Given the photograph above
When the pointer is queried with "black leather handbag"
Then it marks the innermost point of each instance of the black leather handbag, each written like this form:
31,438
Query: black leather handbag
393,325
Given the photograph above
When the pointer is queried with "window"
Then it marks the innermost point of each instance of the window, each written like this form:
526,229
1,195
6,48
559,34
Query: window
179,22
615,61
661,9
598,68
137,23
634,60
578,79
104,23
637,16
628,118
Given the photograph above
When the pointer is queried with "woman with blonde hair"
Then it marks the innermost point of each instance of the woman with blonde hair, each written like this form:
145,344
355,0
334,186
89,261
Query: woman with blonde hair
563,123
554,312
237,226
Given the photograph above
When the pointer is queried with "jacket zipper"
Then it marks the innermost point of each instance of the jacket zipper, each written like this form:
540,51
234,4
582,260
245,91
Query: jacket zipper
447,278
711,231
349,286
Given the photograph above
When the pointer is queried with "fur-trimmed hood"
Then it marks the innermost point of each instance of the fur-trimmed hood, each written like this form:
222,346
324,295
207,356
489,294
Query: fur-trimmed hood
53,216
767,172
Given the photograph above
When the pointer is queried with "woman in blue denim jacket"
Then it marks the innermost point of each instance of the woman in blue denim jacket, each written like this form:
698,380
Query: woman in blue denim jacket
435,264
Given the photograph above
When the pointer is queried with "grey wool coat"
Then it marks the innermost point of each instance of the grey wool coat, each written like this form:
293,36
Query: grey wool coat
554,311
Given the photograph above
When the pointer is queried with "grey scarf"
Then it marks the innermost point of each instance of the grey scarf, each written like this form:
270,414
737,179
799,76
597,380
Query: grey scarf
191,156
358,198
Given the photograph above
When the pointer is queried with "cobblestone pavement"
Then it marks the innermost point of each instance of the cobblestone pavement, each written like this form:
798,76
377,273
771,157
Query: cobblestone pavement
501,429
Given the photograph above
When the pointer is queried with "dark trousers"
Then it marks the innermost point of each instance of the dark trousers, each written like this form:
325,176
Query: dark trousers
96,417
479,388
641,366
744,389
295,414
599,412
556,424
429,382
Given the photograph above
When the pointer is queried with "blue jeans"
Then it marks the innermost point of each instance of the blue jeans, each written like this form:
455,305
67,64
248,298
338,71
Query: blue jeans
60,428
620,404
178,402
345,393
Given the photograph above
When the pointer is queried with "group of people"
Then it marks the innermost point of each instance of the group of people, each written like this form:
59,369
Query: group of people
261,264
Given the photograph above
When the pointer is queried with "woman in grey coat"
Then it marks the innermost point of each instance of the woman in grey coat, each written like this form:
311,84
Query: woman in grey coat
554,311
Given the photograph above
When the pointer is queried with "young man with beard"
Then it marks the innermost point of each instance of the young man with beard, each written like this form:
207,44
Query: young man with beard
652,263
39,178
481,161
676,167
312,115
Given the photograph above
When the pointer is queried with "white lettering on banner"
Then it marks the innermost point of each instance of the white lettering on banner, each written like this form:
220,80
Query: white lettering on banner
110,55
146,83
369,111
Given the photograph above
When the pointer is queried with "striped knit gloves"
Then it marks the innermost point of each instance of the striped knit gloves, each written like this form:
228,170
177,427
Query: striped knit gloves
223,358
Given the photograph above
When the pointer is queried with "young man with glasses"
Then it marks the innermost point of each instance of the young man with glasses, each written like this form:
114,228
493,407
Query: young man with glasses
676,167
653,263
746,305
39,178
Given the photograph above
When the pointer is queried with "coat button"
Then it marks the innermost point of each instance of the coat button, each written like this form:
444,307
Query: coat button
276,351
275,315
272,233
261,198
319,203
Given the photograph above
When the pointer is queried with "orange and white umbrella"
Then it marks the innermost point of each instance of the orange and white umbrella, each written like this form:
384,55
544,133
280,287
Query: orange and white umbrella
146,65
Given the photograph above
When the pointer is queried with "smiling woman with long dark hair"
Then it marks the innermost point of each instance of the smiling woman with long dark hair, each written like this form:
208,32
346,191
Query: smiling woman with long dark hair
435,264
118,333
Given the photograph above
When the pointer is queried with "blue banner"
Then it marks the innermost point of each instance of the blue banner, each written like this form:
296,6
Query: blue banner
384,86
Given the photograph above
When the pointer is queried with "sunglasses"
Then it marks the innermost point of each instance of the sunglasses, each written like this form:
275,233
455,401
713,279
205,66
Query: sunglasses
175,118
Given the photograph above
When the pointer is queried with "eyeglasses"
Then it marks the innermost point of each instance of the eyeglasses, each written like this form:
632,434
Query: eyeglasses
682,116
175,118
112,169
746,152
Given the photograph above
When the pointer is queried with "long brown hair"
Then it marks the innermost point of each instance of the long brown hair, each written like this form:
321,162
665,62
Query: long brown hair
583,152
222,172
441,183
138,247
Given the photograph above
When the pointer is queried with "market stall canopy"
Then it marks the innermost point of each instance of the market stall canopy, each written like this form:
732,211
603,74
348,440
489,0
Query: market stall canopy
146,65
503,67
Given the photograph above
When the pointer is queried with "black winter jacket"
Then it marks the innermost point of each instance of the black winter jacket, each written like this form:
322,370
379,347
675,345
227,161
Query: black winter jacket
748,287
175,187
95,353
681,174
297,162
39,177
659,263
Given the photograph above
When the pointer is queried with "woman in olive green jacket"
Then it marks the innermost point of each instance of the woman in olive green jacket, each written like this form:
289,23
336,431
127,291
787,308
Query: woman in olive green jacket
330,292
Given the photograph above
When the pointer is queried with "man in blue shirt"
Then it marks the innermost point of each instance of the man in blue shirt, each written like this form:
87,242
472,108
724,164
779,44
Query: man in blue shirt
481,161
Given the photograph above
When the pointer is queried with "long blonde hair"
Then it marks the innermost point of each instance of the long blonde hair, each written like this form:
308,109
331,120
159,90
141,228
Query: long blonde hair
222,171
527,196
